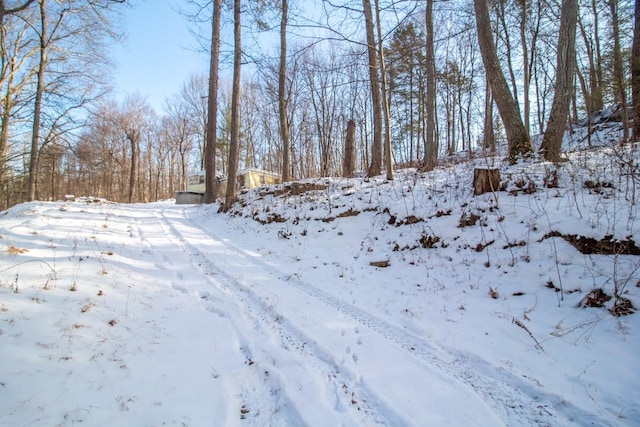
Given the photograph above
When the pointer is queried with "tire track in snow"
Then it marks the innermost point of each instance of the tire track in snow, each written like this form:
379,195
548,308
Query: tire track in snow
508,394
249,389
428,393
345,389
262,316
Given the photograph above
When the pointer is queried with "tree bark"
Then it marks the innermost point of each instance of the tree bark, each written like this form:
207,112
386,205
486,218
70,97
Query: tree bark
619,80
388,149
564,87
488,134
6,116
430,143
635,73
211,181
517,136
376,148
133,136
235,111
349,156
485,180
37,109
282,100
598,80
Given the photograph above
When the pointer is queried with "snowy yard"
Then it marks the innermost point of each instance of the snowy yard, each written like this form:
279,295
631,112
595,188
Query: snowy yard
332,302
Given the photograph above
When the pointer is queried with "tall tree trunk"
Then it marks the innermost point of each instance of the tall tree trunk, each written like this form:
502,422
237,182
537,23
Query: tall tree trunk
211,181
6,117
37,109
388,151
635,73
526,76
282,100
517,136
376,148
235,111
430,143
598,99
349,156
564,87
619,82
489,138
507,45
133,135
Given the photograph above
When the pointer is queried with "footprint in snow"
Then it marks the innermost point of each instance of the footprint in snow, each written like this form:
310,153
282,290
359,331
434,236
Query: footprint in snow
179,288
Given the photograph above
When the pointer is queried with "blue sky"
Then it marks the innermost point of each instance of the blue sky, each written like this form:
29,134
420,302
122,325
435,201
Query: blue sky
158,55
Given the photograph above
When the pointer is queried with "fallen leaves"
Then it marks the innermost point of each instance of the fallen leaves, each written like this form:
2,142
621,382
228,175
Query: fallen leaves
16,251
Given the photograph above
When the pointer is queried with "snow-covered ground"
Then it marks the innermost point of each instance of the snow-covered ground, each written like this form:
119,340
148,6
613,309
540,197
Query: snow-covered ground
354,302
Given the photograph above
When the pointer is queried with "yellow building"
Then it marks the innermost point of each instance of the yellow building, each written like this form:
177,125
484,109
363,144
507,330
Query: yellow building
247,179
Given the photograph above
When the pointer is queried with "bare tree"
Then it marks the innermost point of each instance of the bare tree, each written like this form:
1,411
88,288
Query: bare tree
593,83
565,75
211,181
430,143
374,82
181,130
388,151
230,195
194,94
16,50
4,11
135,117
488,133
619,79
44,43
517,135
635,73
282,98
69,34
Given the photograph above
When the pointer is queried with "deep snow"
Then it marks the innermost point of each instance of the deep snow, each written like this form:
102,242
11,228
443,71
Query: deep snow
158,314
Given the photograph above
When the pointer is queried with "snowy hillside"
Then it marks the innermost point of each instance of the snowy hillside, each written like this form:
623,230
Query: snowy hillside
332,302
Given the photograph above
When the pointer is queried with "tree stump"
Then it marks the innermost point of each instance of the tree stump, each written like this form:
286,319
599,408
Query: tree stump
485,180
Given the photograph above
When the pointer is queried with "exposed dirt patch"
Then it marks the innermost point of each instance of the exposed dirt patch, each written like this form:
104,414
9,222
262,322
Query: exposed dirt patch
622,307
480,246
441,213
597,186
16,251
596,298
274,217
429,242
296,188
411,219
605,246
515,185
344,214
468,219
514,244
